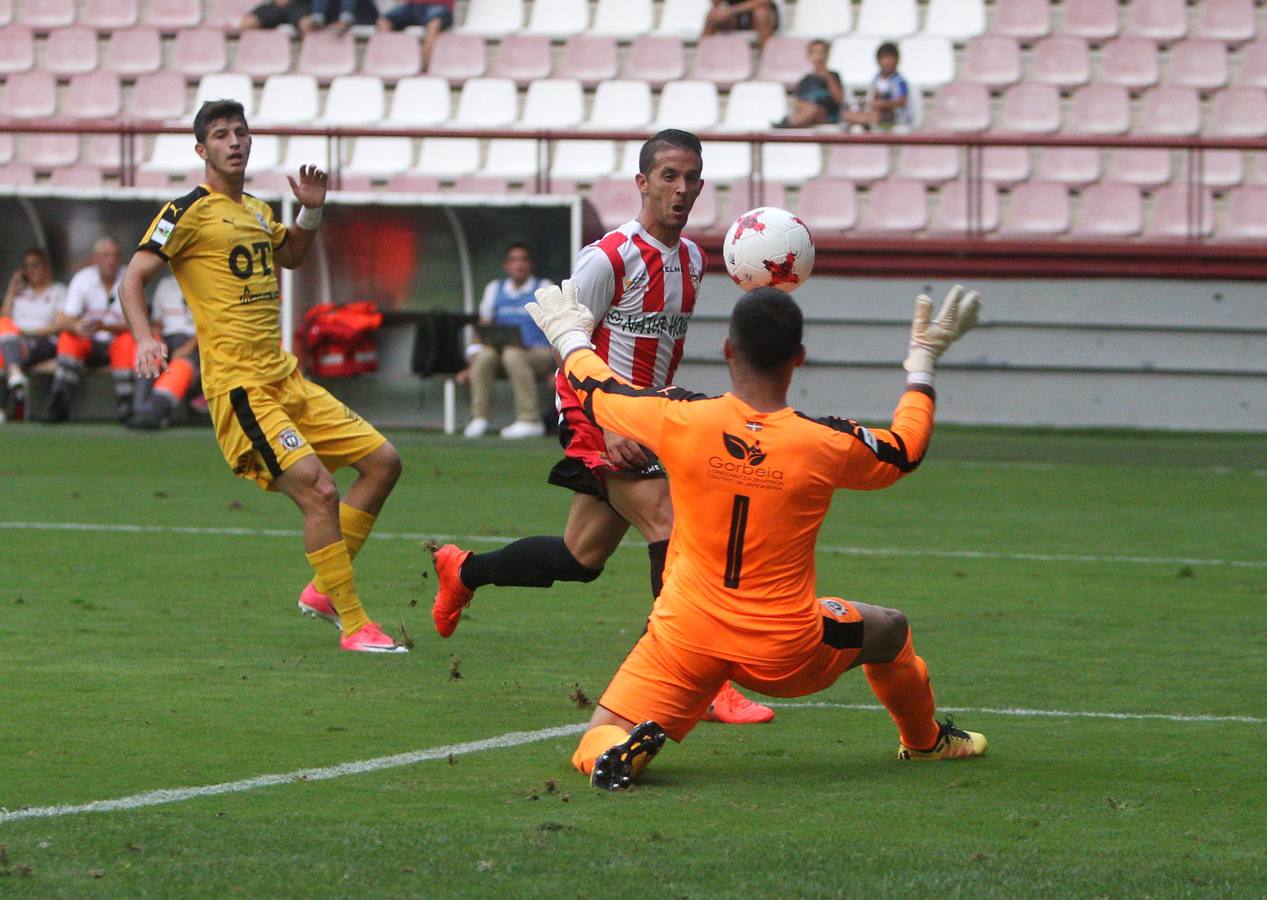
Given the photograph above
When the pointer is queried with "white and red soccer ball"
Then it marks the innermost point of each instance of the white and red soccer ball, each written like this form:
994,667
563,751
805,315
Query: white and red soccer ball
768,246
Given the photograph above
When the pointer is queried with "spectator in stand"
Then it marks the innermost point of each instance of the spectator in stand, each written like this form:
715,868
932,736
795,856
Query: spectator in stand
28,324
888,99
93,333
817,98
432,16
761,16
154,399
278,12
343,14
525,353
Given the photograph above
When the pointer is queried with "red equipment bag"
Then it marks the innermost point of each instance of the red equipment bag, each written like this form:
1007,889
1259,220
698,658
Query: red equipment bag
341,338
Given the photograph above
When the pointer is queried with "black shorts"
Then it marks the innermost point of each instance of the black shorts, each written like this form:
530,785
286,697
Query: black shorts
744,22
583,465
270,15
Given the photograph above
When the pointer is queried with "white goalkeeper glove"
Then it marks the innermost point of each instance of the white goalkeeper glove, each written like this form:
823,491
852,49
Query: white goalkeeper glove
929,339
567,323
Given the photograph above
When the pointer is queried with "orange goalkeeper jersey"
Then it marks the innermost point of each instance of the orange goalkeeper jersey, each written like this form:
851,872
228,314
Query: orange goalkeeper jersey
750,491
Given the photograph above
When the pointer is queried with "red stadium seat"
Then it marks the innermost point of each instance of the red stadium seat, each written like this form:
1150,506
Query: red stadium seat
17,173
158,95
17,49
413,184
1246,218
93,95
48,151
457,57
994,60
80,176
1252,71
1025,20
1030,107
104,150
951,214
169,15
929,164
1170,109
6,12
1100,109
828,204
704,212
1158,20
29,95
1005,165
1130,62
326,55
1062,60
71,50
723,59
523,58
391,55
1095,20
591,59
228,13
199,51
961,106
859,163
107,15
481,184
1232,21
656,59
1198,63
264,52
1038,209
615,200
134,51
44,15
1110,209
740,199
1173,216
1234,113
6,148
1148,168
784,60
895,204
1069,165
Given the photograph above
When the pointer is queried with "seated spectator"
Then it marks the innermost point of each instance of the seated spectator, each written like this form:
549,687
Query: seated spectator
278,12
154,399
887,104
28,324
432,16
343,14
761,16
93,333
817,97
524,352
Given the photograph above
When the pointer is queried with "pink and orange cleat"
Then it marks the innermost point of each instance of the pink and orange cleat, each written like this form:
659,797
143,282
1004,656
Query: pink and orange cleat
732,708
369,638
452,596
317,605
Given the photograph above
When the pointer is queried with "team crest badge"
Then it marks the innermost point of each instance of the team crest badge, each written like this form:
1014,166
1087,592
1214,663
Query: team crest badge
290,439
834,605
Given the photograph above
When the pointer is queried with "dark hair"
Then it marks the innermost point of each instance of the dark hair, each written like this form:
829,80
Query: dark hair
40,253
669,137
765,328
819,42
519,245
888,47
212,110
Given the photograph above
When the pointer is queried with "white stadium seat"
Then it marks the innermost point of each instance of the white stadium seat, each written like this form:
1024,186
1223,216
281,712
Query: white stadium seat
824,19
957,20
683,18
559,18
622,18
494,18
887,19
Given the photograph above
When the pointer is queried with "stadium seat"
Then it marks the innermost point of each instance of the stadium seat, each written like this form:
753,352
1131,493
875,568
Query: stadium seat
1037,209
407,183
1005,165
1252,71
1171,110
78,176
821,19
327,55
928,62
392,55
1177,213
1146,167
45,15
615,200
1110,209
134,51
1074,166
1100,109
523,58
107,15
288,100
417,102
993,60
691,105
741,199
956,20
200,51
704,212
513,159
887,19
618,105
1157,20
493,18
1234,113
1246,215
17,49
1231,21
859,163
1094,20
559,18
104,150
481,184
553,103
1031,108
48,151
1062,60
71,50
17,173
228,14
656,59
1198,63
929,164
895,204
682,18
752,106
1256,168
1130,62
723,59
169,15
158,95
262,52
305,150
355,100
487,103
784,60
961,106
457,57
622,18
828,204
1025,20
951,214
590,58
94,95
29,95
6,148
854,58
6,12
792,163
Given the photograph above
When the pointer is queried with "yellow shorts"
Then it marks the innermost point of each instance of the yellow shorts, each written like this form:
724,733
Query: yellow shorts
265,429
673,687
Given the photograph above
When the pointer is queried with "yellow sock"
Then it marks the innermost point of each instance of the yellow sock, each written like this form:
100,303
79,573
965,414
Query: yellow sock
356,525
594,743
333,566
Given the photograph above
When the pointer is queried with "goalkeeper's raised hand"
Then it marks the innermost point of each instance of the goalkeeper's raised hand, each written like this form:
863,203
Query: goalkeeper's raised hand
566,322
929,339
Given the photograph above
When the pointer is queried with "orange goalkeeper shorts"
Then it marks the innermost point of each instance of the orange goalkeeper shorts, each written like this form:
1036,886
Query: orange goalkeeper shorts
673,687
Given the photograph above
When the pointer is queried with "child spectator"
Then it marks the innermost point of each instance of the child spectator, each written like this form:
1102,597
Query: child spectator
817,97
28,324
761,16
888,100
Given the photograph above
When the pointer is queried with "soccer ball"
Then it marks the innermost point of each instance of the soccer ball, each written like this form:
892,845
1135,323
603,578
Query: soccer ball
768,246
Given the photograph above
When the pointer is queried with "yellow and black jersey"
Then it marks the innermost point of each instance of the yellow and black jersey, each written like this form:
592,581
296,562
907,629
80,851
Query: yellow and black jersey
221,253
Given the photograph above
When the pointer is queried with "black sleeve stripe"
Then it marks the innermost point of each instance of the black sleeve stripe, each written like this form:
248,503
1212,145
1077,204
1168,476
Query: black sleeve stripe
894,455
588,386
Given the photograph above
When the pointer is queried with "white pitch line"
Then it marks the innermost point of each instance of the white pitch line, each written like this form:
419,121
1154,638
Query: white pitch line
176,795
1039,713
502,539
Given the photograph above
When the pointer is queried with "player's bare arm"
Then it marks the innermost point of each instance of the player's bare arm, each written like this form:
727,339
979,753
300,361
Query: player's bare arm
310,191
151,352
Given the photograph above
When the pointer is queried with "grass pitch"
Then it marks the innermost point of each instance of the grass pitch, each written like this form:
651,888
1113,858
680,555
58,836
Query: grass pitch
1052,572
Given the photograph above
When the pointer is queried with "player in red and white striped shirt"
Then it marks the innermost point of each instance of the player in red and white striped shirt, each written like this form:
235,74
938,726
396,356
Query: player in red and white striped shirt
640,282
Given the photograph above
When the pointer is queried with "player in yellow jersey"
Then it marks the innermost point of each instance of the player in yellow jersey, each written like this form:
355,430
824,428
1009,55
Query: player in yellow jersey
273,426
752,480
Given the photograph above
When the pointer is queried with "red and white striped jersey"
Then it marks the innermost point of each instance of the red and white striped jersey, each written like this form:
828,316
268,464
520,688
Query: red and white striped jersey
642,295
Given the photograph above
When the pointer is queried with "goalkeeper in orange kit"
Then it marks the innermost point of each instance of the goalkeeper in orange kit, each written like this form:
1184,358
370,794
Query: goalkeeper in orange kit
752,480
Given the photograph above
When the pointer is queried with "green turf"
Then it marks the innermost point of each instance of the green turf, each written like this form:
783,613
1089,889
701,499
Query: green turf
136,661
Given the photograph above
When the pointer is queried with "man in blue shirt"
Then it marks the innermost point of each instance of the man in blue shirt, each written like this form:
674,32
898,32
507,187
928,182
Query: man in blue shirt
517,346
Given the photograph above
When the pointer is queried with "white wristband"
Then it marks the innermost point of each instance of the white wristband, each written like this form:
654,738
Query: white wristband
572,340
308,219
919,378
